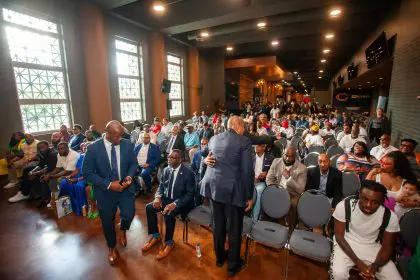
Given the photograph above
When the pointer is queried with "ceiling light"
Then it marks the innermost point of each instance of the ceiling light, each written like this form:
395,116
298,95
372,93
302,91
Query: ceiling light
282,81
229,49
380,78
299,78
323,60
204,34
295,72
335,12
159,7
329,36
274,43
319,77
261,24
326,51
368,82
321,71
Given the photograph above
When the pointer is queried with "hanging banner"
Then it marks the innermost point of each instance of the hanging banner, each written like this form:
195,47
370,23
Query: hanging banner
358,101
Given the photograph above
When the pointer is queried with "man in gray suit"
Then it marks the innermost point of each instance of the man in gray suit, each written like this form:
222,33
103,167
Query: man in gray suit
229,184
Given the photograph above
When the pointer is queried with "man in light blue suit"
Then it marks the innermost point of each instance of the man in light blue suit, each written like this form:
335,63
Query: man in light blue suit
110,165
148,157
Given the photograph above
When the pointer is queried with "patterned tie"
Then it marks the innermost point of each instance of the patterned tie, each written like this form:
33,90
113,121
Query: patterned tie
114,164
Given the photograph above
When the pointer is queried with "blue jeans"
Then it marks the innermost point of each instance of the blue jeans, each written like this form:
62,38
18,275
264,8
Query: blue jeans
260,187
145,173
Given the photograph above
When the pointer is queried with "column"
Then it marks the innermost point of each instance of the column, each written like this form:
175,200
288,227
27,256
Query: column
157,73
193,81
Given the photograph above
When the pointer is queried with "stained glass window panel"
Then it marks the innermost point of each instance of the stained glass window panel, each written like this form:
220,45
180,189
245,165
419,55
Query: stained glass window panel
30,47
130,111
175,91
129,88
26,20
174,59
127,64
174,73
44,117
121,45
176,108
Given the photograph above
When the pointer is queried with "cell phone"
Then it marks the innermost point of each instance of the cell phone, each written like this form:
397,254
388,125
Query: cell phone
122,181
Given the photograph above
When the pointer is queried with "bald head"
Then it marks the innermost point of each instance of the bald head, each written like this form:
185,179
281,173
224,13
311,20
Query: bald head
114,131
289,156
324,163
236,123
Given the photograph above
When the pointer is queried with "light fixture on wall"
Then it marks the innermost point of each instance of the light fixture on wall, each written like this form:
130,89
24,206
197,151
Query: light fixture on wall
323,60
329,36
335,12
321,71
275,43
229,48
159,7
319,77
261,24
326,50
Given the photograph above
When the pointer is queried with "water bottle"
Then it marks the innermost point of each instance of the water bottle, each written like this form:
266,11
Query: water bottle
198,250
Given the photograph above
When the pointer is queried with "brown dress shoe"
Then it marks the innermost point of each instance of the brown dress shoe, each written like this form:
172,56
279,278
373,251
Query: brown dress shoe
165,252
149,244
112,256
123,239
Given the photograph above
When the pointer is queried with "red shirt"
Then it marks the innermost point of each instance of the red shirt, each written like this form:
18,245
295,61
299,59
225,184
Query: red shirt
156,128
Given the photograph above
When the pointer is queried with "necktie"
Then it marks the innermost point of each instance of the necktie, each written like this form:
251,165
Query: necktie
171,181
171,143
114,164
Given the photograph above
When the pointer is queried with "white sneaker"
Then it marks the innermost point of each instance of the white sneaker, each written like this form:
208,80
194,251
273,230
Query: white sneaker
10,185
18,197
49,206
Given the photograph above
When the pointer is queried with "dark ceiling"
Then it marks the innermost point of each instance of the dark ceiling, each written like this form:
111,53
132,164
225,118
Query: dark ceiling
298,25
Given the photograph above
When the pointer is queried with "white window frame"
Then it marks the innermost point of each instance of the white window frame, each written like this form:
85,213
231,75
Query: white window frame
181,83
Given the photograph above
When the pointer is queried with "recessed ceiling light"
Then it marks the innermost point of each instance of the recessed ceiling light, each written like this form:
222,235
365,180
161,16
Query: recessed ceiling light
261,24
321,71
335,12
159,7
368,82
282,81
299,78
323,60
295,72
204,34
329,36
229,49
373,86
274,43
380,78
319,77
326,51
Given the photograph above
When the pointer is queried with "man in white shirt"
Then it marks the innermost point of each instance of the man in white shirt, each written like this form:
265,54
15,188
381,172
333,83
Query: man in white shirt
274,112
382,149
313,138
359,239
346,131
327,130
286,129
146,129
347,142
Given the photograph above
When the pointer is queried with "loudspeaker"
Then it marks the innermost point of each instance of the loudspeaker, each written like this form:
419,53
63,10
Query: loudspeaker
166,86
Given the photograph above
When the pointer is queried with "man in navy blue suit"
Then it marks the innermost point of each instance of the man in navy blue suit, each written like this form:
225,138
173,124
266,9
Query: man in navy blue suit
174,196
148,157
229,184
77,138
110,166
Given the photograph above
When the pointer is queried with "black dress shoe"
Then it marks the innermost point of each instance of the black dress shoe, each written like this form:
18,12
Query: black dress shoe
237,269
43,204
220,263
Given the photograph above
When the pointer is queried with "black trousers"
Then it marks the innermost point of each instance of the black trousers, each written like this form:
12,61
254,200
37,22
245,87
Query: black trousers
222,215
108,202
27,185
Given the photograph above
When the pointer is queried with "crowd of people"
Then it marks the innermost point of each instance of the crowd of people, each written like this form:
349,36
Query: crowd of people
212,158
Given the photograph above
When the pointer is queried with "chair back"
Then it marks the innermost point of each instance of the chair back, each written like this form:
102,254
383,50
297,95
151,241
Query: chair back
296,140
314,209
410,228
317,149
283,141
279,145
330,142
333,161
334,150
338,129
351,183
275,201
311,159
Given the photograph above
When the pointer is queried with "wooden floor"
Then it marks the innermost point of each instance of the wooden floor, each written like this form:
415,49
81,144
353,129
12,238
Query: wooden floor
34,245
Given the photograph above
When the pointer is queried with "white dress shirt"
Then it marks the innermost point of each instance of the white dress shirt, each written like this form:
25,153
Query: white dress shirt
313,140
108,148
142,156
378,152
347,142
68,162
259,161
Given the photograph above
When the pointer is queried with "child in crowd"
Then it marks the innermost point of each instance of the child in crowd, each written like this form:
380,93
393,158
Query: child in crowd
409,193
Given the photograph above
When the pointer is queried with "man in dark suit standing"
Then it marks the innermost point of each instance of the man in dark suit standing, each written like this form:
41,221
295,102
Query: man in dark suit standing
110,166
326,179
148,157
229,184
174,196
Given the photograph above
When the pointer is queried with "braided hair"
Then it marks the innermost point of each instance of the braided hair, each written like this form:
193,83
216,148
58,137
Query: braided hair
373,186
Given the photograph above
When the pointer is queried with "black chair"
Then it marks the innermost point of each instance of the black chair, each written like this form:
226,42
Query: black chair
311,159
335,150
409,232
316,149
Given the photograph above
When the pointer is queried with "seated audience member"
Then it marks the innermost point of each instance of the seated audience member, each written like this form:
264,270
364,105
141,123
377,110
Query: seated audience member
264,121
192,141
136,131
262,164
261,130
14,150
327,131
96,134
362,240
148,157
153,137
313,138
206,132
74,186
156,128
218,127
383,148
358,160
28,158
409,194
274,111
362,129
333,120
347,142
393,171
88,140
77,138
204,117
194,117
215,118
286,129
126,133
47,160
407,147
290,174
328,180
302,122
182,128
65,134
378,125
174,196
55,140
176,142
197,162
166,127
346,131
66,164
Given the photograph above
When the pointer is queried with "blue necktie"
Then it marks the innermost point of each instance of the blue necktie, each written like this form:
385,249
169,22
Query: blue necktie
171,181
114,164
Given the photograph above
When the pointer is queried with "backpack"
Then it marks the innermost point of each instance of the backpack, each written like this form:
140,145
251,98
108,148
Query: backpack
385,219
